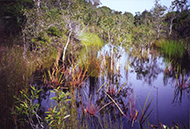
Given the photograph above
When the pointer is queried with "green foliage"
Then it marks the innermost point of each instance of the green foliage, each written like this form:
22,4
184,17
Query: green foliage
54,31
57,115
90,40
46,31
12,12
181,25
42,40
26,108
172,48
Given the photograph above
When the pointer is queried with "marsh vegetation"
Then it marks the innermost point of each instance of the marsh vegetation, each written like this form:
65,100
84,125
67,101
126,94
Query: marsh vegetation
75,64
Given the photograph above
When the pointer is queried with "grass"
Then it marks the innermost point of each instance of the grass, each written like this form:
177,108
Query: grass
171,48
15,73
144,113
90,39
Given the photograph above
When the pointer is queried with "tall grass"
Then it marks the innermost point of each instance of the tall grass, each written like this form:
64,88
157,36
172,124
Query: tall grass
171,48
15,73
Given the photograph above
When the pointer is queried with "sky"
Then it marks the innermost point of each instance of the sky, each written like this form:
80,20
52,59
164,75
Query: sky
133,5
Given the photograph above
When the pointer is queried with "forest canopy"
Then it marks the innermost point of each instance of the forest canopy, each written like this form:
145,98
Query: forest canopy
110,25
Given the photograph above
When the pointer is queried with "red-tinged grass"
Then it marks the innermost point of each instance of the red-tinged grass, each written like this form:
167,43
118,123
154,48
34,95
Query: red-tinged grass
91,109
133,113
78,76
54,77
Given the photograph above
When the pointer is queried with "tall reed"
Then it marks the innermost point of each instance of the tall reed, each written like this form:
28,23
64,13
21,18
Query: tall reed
15,74
172,48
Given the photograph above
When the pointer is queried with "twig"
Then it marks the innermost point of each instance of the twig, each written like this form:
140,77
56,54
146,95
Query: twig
100,87
115,104
104,106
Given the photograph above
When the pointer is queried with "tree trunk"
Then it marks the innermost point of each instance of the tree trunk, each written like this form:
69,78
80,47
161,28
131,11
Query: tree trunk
109,37
38,7
158,31
25,45
65,48
171,26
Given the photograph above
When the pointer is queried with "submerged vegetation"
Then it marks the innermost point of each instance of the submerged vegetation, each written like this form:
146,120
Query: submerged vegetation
56,45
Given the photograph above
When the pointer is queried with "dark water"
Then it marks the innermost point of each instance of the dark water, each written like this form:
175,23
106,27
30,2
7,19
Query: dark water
139,73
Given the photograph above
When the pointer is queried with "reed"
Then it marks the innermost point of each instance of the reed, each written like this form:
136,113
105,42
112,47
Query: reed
171,48
145,111
15,75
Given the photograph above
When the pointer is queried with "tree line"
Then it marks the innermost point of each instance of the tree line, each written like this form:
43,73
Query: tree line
46,23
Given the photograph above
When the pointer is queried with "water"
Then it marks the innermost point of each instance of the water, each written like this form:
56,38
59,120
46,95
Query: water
134,76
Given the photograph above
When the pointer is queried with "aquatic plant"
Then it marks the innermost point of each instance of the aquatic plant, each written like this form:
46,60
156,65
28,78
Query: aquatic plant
89,54
58,114
182,85
78,76
54,77
133,112
116,104
92,63
144,112
162,126
90,108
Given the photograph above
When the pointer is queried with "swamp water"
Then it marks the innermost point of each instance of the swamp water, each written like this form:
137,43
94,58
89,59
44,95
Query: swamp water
144,83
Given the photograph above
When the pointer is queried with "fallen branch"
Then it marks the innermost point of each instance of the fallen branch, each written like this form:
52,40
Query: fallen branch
115,104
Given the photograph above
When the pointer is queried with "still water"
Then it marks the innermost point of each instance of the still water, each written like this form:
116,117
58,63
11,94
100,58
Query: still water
136,79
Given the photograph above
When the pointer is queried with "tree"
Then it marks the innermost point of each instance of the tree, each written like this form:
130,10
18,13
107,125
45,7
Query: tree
129,17
180,5
169,18
158,13
95,2
177,20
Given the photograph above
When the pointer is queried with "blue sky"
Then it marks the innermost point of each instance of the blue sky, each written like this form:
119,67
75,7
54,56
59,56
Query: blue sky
132,5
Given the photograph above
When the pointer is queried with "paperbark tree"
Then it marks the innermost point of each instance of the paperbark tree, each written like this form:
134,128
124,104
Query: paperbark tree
158,13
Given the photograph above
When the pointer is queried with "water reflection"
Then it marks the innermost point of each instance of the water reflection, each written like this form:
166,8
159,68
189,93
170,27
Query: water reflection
127,78
177,74
145,64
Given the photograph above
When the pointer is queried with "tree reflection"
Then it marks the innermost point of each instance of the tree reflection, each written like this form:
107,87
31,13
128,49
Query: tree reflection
182,87
147,67
177,73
